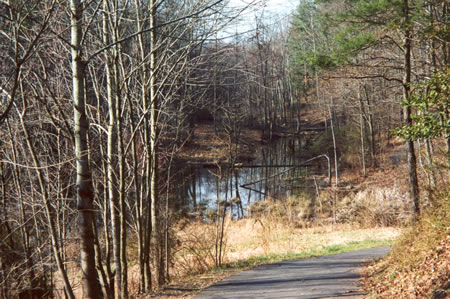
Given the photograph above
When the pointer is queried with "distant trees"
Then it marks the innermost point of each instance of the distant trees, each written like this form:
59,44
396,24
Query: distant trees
383,45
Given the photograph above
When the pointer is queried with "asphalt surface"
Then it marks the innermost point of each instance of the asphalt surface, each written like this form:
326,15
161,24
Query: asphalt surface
330,276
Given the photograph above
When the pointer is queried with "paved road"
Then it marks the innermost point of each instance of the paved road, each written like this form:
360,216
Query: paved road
322,277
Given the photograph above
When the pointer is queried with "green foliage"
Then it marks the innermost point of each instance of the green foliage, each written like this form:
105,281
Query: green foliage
322,40
430,101
347,28
383,14
309,43
351,42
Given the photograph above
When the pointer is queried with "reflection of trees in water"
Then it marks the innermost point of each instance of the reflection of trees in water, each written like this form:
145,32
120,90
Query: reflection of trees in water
198,187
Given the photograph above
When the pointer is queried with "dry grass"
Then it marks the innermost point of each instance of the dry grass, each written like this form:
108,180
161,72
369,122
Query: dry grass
196,250
251,238
254,237
248,238
381,206
371,207
280,229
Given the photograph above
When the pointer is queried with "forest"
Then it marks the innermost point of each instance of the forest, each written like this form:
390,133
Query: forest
102,101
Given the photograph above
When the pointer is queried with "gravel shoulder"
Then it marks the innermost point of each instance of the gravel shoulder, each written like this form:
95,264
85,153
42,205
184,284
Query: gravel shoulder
321,277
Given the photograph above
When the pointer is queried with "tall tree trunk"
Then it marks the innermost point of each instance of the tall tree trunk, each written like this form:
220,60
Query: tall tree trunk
112,148
122,204
143,221
412,163
108,283
90,282
362,130
156,233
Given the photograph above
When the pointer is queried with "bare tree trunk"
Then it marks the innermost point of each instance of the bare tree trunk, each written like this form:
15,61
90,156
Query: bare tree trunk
101,272
156,238
428,143
108,283
369,118
412,164
362,130
334,143
122,204
111,158
144,231
115,158
90,282
263,70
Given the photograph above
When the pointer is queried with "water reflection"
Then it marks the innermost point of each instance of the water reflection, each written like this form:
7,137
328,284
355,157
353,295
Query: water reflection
270,174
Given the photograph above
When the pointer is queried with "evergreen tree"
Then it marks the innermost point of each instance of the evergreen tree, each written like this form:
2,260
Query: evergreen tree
355,27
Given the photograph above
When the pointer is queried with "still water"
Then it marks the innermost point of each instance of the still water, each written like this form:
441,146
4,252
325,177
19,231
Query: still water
270,174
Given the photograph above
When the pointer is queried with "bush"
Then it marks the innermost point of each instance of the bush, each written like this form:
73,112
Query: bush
196,251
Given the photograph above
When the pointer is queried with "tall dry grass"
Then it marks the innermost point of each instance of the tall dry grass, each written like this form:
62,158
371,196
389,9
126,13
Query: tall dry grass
264,235
381,206
197,246
376,206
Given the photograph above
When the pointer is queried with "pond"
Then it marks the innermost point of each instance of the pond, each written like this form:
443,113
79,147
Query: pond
277,171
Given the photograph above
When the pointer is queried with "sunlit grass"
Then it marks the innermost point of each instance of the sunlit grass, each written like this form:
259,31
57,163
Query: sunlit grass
251,242
315,252
255,241
248,238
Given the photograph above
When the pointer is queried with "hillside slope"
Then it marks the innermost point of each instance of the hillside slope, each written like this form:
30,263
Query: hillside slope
419,265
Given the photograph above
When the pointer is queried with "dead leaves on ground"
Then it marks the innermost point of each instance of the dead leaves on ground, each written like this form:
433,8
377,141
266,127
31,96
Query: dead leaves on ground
418,267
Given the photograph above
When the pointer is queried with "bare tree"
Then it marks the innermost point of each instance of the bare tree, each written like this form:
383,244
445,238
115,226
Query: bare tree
90,281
